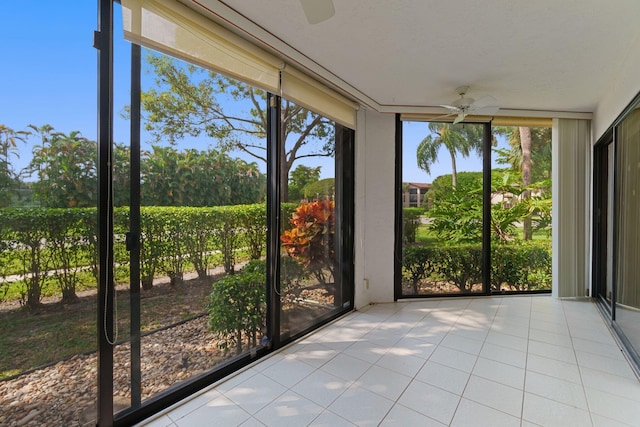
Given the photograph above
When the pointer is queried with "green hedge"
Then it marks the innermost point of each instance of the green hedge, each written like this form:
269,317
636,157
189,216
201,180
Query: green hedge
52,248
519,266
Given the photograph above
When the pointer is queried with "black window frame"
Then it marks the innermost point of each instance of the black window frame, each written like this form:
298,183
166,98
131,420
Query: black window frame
345,143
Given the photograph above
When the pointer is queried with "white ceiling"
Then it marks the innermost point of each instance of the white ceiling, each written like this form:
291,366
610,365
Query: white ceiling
553,55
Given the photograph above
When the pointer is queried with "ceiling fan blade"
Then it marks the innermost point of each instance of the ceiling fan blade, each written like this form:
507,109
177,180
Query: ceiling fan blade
460,118
451,107
485,101
317,11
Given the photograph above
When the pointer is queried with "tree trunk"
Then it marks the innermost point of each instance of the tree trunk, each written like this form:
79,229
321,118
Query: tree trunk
284,185
525,144
454,171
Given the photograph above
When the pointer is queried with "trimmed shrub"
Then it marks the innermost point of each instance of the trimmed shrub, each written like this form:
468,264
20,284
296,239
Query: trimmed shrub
253,220
65,231
237,308
197,239
27,236
519,266
227,235
417,264
522,267
460,265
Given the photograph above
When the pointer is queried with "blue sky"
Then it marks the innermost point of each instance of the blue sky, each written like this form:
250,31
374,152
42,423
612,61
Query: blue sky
49,76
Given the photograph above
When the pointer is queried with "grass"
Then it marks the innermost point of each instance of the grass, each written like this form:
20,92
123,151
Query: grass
59,331
426,237
56,331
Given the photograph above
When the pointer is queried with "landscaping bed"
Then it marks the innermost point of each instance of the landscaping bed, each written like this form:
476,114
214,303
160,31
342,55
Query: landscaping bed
63,393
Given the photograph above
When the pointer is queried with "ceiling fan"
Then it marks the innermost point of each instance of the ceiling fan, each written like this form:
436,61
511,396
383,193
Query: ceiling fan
317,11
465,105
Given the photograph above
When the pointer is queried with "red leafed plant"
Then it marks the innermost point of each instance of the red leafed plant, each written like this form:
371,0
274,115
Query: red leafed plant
311,238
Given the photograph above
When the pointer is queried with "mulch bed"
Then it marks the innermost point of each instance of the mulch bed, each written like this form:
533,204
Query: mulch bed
64,393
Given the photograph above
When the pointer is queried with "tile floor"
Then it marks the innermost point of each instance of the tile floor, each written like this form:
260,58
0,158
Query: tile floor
499,361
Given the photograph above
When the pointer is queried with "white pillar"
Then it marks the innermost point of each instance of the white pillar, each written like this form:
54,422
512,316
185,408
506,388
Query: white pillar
375,208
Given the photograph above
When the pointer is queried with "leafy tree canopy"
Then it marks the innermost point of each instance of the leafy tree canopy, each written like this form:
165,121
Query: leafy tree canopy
198,178
65,165
323,189
186,100
457,139
300,177
9,179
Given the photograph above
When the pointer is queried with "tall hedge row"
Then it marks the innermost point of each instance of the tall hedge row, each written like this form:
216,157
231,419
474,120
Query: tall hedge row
53,247
514,266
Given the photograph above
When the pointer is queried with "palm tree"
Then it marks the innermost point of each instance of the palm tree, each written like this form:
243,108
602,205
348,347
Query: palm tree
458,138
529,147
8,147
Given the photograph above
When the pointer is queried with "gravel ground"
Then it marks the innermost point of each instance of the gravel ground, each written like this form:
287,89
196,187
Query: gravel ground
64,394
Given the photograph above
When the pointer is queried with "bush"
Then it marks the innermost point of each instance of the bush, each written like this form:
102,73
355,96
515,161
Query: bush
49,246
66,241
27,234
417,264
253,220
152,230
198,238
460,265
524,266
237,308
226,234
520,266
410,223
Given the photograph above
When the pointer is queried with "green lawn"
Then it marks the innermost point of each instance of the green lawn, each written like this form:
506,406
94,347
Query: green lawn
426,237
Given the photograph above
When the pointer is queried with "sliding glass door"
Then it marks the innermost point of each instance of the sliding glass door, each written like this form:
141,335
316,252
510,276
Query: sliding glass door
626,266
617,227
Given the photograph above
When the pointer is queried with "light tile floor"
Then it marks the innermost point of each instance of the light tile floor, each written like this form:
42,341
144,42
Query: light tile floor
498,361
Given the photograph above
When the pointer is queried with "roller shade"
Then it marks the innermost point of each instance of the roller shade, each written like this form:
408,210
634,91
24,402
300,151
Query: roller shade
495,120
444,117
174,29
306,92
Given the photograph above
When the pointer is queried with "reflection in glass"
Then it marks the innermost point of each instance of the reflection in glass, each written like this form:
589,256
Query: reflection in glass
309,286
202,228
628,228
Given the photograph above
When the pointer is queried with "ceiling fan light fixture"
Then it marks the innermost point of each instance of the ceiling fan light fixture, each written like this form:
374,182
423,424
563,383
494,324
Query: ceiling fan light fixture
463,106
317,11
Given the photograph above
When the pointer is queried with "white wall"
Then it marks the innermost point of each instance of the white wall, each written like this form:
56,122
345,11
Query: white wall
620,93
374,210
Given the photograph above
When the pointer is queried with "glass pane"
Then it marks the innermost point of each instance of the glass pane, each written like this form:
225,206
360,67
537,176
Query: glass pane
442,208
310,286
628,233
48,192
521,209
203,226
